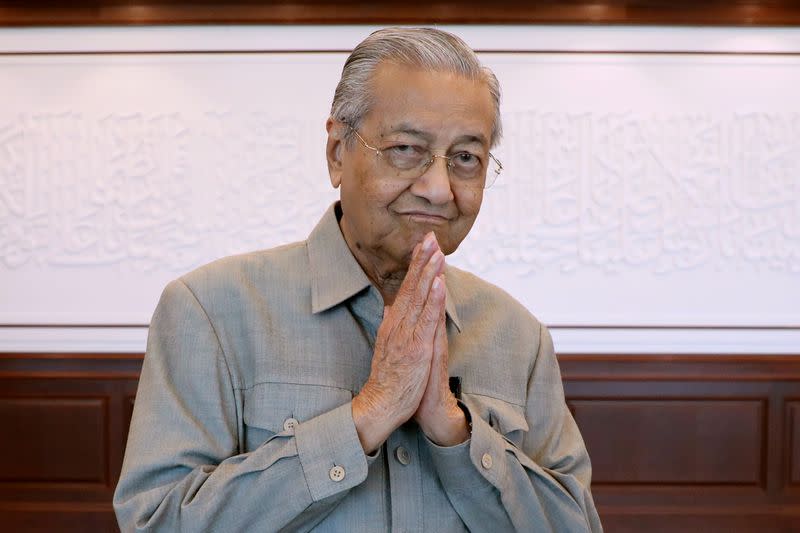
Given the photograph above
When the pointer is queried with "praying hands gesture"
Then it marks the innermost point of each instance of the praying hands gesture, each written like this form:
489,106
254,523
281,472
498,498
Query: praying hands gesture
409,375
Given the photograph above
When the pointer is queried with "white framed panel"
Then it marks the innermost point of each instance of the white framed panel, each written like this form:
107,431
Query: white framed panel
641,189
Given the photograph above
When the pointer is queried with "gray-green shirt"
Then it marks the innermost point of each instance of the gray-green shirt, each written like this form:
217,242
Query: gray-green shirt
243,420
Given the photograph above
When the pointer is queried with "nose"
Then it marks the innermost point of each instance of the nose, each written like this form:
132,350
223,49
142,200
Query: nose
434,183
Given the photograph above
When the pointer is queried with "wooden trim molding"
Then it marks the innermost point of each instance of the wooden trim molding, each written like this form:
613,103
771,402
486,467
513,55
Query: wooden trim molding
574,367
679,367
665,12
47,366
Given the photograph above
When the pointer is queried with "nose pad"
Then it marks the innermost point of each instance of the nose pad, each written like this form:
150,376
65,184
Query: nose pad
432,163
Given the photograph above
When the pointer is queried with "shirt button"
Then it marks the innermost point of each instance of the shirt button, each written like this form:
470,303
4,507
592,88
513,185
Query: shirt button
402,455
289,424
337,473
486,461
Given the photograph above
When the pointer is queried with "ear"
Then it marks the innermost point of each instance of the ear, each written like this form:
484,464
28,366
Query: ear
333,151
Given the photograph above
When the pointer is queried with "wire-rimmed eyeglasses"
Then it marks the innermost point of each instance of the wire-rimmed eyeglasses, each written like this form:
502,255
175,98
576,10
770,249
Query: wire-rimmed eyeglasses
412,161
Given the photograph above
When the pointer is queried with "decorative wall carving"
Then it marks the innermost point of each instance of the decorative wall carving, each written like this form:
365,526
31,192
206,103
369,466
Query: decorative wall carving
118,189
611,205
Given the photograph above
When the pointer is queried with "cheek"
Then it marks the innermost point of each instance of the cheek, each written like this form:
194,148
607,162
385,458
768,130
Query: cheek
369,202
375,193
469,202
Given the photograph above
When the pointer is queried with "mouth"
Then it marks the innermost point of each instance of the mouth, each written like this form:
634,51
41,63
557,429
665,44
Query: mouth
424,217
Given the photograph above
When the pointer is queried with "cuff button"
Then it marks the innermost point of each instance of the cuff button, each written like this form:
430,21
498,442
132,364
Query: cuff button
289,424
486,461
336,473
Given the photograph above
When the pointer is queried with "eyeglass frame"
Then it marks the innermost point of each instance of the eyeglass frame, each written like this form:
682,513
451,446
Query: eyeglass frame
427,165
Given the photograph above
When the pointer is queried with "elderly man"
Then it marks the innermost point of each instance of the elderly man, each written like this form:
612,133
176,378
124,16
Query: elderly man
354,382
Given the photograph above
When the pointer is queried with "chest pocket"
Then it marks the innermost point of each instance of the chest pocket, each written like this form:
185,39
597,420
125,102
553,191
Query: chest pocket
505,417
272,408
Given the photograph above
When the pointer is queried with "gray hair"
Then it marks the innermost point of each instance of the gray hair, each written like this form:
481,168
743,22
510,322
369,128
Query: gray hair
427,48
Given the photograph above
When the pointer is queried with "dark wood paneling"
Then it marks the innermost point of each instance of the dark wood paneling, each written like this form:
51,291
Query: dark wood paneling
793,441
706,12
714,442
678,443
67,415
55,517
723,520
670,490
681,368
70,365
55,440
127,403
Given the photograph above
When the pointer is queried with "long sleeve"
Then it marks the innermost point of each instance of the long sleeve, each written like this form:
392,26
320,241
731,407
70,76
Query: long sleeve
530,476
183,467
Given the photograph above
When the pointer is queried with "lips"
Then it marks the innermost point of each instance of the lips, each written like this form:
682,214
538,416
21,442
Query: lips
424,216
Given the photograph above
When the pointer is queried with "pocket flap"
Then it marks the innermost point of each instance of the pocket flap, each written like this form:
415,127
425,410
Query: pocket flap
506,417
268,405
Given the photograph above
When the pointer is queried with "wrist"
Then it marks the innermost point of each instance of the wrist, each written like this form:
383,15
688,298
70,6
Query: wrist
372,421
452,428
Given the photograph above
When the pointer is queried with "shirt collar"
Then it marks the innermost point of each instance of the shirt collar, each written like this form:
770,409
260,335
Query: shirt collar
336,276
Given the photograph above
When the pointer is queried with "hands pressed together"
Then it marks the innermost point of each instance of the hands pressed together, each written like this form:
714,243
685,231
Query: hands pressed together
409,377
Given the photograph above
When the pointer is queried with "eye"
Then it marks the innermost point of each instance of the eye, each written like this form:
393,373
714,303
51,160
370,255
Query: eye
466,160
405,156
404,149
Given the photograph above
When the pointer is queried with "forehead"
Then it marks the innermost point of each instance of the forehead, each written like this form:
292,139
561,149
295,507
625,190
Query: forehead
438,102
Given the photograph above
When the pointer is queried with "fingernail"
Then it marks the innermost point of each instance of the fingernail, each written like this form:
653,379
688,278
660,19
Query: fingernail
437,283
437,258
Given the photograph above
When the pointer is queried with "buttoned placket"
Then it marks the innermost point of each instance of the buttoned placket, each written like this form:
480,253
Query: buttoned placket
402,446
405,479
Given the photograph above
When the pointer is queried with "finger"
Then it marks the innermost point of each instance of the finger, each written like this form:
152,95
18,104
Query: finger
424,251
440,340
383,330
440,351
422,292
426,325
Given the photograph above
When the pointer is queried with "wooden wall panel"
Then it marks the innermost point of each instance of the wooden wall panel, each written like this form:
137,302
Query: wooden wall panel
67,417
793,441
55,440
678,443
717,496
714,441
54,517
709,521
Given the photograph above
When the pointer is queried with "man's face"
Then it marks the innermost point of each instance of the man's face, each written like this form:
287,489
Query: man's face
384,216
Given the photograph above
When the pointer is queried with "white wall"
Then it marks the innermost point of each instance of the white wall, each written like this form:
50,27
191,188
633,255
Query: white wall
650,202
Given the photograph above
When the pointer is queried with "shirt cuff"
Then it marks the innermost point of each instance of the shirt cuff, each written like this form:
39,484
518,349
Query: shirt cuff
330,453
472,463
371,458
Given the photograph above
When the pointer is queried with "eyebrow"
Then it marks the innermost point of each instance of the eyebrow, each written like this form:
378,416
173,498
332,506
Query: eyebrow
469,139
411,130
461,139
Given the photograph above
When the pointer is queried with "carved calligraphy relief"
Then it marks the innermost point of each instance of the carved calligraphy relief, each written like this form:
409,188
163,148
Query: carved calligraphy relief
631,191
150,191
674,197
